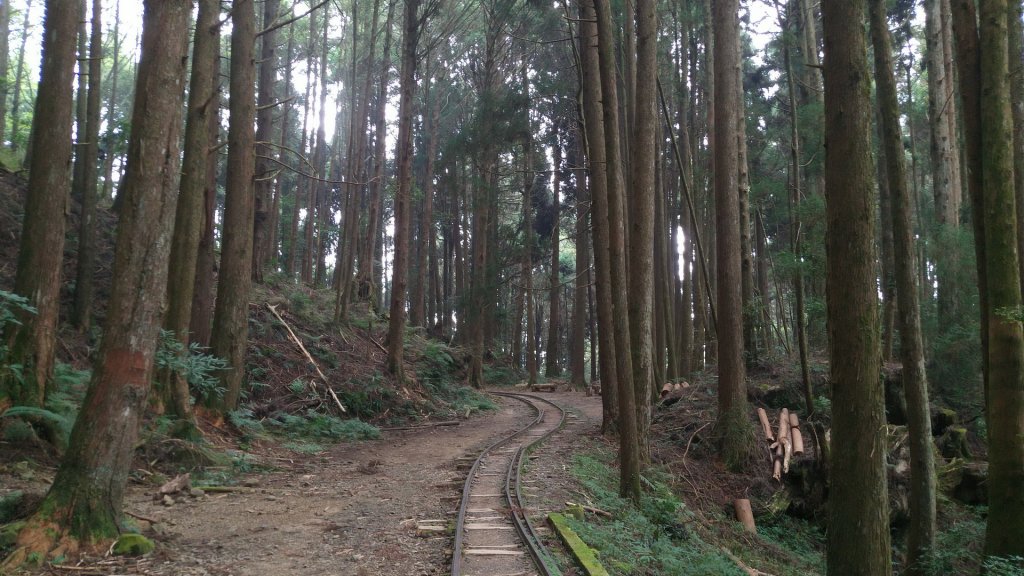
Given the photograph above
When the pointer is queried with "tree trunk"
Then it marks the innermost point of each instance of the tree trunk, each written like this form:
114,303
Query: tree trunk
528,299
400,270
629,453
643,163
577,339
188,221
1005,396
5,57
418,308
942,158
921,537
733,426
31,340
231,313
90,155
84,503
303,184
264,175
858,536
369,281
108,139
356,172
597,164
201,324
19,76
887,277
795,237
1016,52
551,369
315,190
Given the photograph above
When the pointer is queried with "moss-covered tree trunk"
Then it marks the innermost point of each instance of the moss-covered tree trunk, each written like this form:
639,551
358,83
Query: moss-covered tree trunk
31,342
84,502
858,531
921,536
1005,396
231,312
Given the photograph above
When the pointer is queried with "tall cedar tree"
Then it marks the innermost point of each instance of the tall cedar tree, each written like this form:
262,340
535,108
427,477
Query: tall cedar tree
921,536
89,156
643,153
1005,396
733,425
189,215
598,184
84,504
231,313
551,369
944,155
264,176
5,32
403,220
20,74
32,339
858,535
629,456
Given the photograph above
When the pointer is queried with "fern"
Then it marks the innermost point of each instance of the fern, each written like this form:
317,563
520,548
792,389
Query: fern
193,364
60,423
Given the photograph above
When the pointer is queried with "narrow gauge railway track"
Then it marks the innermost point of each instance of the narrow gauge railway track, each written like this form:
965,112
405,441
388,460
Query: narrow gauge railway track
493,534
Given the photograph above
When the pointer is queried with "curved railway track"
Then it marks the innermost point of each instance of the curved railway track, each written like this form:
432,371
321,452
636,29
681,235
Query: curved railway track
493,533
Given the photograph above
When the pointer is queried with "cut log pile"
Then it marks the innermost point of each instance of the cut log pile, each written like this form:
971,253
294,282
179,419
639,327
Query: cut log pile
787,442
671,387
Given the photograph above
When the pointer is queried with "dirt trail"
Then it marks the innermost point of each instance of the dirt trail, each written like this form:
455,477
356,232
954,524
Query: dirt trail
348,511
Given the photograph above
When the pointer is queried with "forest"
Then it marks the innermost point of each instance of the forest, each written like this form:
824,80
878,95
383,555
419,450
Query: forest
340,216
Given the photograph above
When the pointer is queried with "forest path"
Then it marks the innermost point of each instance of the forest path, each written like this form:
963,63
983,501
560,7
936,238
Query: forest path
350,510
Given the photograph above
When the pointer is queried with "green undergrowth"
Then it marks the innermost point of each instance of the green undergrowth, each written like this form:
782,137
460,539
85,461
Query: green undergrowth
784,545
19,424
959,545
437,370
653,538
304,432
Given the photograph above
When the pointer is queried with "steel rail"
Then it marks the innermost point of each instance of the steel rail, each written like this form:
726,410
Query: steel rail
523,526
513,493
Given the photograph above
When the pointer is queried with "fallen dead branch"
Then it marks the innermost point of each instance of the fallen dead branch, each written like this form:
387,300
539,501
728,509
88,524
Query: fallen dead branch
309,357
742,566
591,509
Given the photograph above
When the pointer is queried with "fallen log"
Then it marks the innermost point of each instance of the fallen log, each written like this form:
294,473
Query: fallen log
796,435
765,425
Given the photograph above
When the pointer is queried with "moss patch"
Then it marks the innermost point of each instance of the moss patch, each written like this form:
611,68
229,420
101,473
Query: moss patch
586,557
133,545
